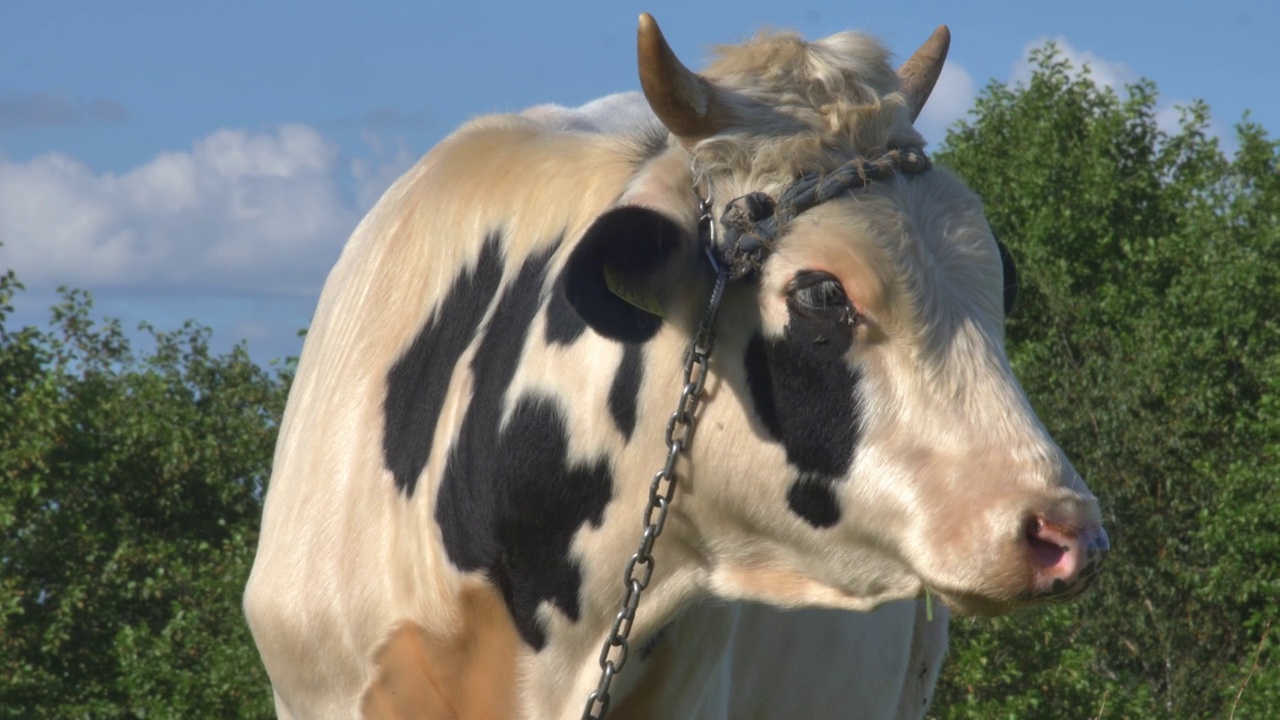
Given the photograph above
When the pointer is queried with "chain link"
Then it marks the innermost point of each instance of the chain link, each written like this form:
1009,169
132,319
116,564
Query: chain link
679,432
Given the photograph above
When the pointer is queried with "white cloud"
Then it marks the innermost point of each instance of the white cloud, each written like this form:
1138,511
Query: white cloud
951,99
238,231
238,212
1169,120
1105,73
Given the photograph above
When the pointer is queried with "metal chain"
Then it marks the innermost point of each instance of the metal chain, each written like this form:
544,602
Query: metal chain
639,569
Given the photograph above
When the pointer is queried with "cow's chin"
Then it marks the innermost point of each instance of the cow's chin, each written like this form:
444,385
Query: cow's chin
991,602
788,587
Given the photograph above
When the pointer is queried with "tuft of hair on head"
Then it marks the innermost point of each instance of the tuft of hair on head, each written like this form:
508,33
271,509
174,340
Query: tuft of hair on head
801,106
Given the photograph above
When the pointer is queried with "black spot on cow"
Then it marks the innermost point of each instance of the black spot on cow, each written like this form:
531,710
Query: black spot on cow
804,393
564,324
813,497
510,502
418,382
538,502
625,390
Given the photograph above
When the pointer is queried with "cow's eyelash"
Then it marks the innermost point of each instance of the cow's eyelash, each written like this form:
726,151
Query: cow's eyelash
819,292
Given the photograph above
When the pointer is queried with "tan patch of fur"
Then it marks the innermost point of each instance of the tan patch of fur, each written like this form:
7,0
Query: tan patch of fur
469,675
844,238
498,174
803,106
783,586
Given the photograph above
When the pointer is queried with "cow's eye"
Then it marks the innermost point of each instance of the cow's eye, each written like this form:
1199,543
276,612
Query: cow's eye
818,293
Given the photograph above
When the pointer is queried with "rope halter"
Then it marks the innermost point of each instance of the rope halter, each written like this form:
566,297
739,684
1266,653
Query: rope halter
753,222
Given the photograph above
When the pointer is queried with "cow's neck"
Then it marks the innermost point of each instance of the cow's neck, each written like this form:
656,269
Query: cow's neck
566,669
655,683
674,650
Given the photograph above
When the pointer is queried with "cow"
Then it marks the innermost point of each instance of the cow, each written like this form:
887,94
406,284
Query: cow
482,419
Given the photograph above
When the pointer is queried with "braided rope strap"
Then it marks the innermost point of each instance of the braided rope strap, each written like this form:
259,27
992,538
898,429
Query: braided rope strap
753,222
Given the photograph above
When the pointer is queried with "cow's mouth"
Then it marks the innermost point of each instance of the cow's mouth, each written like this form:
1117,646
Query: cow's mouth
1054,562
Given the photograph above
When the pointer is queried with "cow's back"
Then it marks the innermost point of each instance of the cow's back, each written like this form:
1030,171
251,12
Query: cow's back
346,553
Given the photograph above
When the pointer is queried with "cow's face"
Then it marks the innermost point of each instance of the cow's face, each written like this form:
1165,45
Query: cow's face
864,438
910,454
867,439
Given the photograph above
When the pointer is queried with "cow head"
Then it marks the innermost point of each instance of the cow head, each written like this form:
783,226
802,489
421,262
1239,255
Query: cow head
864,438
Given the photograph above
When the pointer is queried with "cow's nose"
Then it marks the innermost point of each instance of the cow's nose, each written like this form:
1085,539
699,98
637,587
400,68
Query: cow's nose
1064,560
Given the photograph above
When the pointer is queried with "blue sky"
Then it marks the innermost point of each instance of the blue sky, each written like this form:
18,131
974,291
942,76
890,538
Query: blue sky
207,160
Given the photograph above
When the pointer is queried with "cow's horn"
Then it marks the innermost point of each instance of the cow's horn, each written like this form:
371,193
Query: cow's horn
685,103
919,73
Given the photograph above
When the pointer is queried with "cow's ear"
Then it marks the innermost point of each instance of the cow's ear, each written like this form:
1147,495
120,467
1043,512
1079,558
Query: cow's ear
619,276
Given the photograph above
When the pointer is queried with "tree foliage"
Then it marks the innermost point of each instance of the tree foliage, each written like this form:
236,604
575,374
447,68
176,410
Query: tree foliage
1147,335
130,492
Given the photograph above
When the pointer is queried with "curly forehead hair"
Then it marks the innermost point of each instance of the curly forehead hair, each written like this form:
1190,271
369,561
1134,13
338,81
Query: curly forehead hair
802,106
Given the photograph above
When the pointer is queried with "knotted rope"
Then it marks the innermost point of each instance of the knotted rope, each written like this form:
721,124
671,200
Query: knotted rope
753,222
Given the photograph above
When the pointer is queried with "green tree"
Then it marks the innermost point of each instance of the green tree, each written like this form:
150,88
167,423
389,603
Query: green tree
130,495
1147,335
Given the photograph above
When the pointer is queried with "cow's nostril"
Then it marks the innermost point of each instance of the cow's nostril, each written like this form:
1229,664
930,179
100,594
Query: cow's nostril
1048,547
